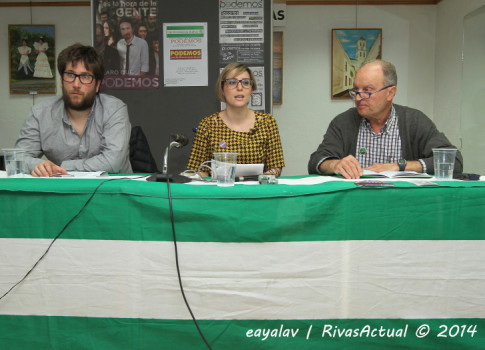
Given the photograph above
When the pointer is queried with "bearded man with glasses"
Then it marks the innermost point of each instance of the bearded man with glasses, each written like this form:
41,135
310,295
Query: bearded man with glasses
376,134
82,130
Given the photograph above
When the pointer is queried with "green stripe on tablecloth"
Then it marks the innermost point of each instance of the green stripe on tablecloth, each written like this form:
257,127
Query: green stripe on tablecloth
81,333
136,210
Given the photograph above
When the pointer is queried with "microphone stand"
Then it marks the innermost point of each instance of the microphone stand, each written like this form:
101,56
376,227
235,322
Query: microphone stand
164,176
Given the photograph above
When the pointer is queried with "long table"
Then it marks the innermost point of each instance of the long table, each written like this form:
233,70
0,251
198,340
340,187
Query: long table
322,266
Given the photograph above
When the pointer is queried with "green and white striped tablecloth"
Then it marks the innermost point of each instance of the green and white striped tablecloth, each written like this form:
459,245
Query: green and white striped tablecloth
327,266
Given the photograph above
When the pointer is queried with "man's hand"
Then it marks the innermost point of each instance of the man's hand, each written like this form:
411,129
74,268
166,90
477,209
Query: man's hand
378,167
47,169
412,165
348,167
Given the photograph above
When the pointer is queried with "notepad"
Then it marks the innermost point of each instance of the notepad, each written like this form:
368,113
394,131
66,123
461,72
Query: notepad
81,174
395,174
249,169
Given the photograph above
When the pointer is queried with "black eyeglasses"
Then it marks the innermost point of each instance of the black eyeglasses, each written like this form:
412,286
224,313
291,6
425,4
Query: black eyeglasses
232,83
365,95
85,78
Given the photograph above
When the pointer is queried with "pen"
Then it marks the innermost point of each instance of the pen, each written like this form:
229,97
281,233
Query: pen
247,178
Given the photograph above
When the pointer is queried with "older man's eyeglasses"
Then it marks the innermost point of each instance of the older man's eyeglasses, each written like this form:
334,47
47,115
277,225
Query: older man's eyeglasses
364,95
232,83
85,78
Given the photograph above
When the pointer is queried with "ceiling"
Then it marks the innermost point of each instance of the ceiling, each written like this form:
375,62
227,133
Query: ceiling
362,2
41,3
288,2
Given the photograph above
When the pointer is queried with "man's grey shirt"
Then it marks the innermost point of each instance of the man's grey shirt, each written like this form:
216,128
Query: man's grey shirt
103,146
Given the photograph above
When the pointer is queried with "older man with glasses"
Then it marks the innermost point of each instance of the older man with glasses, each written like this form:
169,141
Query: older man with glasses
376,134
83,130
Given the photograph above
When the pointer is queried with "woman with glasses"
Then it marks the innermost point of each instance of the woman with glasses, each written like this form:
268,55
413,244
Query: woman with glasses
253,135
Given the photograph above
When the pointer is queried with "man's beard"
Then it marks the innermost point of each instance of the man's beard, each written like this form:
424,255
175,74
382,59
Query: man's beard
85,104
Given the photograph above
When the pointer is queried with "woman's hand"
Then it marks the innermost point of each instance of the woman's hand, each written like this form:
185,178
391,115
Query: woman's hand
273,171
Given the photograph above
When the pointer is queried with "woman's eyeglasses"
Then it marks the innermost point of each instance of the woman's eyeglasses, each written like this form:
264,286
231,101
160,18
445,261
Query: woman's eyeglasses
232,83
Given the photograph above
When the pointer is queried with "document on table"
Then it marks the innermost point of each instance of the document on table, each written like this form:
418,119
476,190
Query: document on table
249,169
94,175
84,174
394,174
311,180
70,174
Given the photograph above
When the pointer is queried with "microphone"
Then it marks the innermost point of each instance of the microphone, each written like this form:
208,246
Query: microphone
253,131
181,139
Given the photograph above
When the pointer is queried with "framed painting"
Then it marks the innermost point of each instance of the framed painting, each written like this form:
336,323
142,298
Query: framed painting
32,59
351,48
277,68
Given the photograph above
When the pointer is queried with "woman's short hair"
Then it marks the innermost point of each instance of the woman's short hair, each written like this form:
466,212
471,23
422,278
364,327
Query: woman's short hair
82,53
238,68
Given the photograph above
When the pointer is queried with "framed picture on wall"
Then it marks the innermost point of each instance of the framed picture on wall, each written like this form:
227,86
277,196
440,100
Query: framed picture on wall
351,48
32,59
277,68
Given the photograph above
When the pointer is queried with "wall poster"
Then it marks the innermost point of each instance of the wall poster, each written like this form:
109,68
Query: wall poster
127,34
241,32
277,68
185,54
32,59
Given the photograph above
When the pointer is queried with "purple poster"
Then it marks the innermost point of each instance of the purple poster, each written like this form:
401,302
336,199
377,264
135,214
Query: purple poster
127,34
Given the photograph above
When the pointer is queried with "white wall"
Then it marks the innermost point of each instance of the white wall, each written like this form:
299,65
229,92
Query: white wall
408,42
72,24
448,68
472,92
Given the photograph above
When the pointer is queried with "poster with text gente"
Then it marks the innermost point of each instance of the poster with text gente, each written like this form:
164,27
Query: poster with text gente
127,34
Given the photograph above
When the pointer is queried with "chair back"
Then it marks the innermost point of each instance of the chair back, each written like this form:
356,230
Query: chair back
141,158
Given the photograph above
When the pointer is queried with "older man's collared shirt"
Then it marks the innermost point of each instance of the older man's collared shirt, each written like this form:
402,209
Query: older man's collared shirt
103,146
383,147
138,56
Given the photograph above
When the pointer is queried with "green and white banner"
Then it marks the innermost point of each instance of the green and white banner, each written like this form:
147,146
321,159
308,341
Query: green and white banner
254,272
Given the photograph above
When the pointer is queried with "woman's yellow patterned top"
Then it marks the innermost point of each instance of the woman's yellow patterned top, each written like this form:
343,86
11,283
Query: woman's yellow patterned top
260,145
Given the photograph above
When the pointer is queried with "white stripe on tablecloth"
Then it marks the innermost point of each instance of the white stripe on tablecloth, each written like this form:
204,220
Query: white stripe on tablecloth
283,280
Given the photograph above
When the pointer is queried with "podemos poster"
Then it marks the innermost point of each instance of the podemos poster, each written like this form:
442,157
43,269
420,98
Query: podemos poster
127,34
